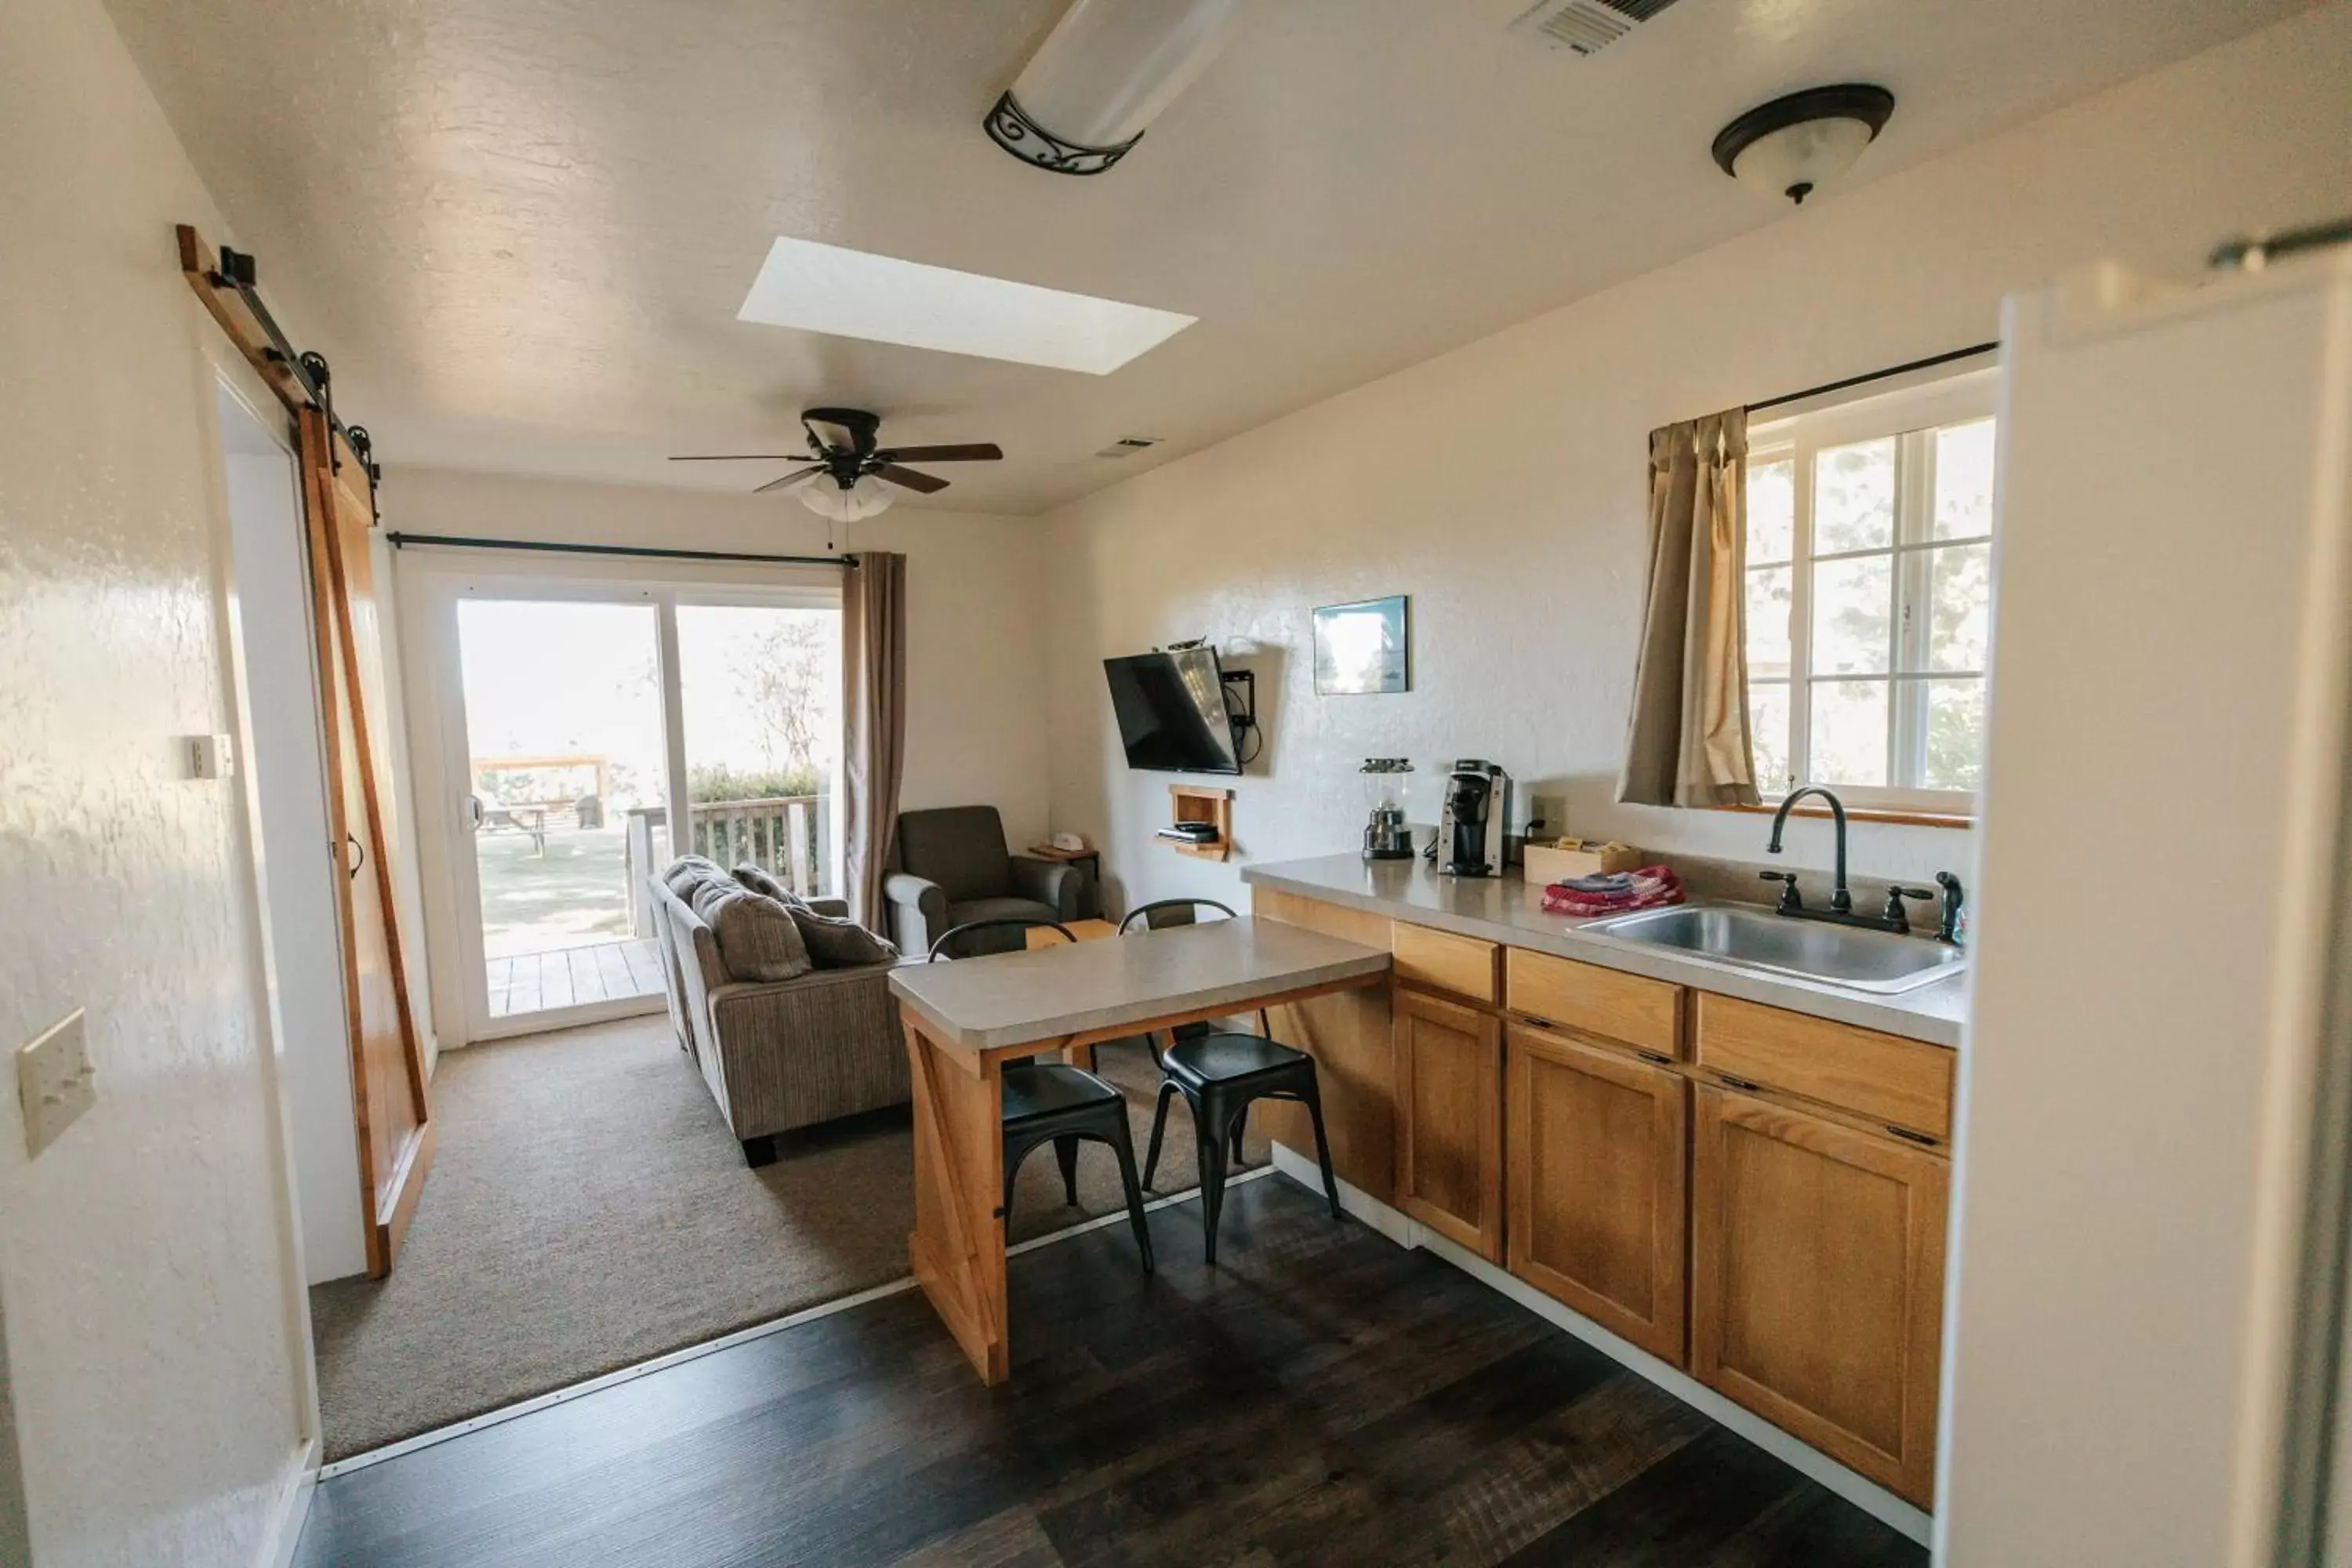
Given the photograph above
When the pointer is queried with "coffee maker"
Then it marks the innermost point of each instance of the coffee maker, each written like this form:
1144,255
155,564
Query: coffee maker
1470,835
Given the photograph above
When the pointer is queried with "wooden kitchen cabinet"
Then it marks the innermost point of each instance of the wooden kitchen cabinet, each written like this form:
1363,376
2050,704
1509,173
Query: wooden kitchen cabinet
1349,1035
1449,1108
1817,1276
1595,1162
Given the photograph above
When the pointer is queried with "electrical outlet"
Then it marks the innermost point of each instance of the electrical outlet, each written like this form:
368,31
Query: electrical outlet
55,1080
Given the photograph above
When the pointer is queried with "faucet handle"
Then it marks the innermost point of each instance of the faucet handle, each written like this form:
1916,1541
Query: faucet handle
1788,880
1895,893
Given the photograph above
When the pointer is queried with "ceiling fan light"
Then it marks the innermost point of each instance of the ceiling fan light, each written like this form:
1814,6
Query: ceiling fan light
869,497
1106,71
1793,145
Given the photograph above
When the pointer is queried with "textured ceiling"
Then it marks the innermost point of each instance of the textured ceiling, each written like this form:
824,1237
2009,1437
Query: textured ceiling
521,228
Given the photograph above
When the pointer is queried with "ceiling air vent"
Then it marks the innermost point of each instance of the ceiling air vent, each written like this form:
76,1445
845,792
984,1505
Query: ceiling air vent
1588,27
1129,446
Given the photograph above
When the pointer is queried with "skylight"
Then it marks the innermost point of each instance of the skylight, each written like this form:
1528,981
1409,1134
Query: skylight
853,294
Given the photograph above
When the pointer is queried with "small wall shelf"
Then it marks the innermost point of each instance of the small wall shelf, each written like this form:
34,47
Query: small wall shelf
1195,803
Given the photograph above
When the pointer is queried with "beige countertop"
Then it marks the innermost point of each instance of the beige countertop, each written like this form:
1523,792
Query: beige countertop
1506,909
1053,993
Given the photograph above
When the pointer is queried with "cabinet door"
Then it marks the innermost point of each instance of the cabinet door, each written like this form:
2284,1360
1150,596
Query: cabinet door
1449,1064
1596,1185
1817,1282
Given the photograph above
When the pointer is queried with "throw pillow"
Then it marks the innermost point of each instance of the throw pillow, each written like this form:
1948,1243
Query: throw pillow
685,872
760,880
758,937
836,942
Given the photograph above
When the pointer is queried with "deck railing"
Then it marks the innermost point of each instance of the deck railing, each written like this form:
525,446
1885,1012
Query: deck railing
789,837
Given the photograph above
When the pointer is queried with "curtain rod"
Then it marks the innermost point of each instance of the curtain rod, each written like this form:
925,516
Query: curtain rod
454,542
1930,361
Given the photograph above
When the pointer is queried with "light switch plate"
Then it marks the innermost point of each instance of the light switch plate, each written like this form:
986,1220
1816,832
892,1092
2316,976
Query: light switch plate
55,1080
211,756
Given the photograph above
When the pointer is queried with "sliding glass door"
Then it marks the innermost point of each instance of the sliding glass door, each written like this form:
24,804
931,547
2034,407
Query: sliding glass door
585,719
760,688
565,743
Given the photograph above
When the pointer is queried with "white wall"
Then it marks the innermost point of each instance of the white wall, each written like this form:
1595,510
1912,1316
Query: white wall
157,1379
1502,485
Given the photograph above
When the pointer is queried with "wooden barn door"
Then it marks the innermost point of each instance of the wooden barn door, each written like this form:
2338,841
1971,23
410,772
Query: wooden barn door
388,1088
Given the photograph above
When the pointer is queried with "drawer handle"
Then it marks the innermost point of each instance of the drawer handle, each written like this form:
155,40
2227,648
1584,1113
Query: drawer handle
1657,1056
1731,1082
1910,1137
1538,1022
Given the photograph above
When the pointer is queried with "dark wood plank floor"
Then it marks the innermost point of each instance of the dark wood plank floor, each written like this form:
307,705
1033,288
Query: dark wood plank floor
1323,1398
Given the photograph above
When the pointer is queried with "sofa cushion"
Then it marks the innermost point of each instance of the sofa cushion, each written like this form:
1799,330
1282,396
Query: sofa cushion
758,939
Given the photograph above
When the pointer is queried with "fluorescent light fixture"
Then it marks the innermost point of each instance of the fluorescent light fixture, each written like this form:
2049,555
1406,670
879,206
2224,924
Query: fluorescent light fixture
854,294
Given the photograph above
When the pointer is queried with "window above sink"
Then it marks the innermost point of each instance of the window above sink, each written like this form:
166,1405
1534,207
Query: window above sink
1869,597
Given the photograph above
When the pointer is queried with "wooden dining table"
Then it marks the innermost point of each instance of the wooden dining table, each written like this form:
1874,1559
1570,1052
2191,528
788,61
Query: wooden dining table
963,1019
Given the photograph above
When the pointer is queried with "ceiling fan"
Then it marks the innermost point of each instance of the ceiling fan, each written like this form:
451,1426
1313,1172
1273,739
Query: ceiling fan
845,463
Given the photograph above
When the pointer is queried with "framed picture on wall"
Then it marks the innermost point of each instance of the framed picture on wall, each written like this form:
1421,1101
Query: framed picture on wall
1363,648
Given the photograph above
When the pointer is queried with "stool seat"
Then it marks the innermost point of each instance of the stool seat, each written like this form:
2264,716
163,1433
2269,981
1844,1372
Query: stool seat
1226,1057
1048,1089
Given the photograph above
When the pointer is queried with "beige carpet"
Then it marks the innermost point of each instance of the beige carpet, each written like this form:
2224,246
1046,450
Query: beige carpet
588,1209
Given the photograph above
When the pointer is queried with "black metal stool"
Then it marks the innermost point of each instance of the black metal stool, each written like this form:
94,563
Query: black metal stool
1219,1072
1053,1103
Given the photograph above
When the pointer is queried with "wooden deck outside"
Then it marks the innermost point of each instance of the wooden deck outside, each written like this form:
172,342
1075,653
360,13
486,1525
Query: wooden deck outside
608,971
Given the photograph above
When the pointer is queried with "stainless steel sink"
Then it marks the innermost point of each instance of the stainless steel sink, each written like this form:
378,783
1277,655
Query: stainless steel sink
1810,949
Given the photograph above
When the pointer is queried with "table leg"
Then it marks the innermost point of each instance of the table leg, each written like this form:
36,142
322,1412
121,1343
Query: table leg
956,1249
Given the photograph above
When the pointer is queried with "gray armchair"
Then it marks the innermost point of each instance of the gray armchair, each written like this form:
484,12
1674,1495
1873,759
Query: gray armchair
951,866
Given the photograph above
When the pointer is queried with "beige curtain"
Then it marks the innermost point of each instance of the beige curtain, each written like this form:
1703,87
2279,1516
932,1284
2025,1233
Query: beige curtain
1688,741
874,722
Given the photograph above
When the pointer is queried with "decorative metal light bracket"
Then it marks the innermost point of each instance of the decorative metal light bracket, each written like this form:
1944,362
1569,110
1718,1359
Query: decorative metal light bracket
1014,131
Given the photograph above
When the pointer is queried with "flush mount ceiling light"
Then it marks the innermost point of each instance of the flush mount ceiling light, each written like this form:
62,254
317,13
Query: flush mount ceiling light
1104,72
1793,144
856,294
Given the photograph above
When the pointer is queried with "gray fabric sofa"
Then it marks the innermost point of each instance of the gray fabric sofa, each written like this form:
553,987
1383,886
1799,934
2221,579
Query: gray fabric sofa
951,867
778,1055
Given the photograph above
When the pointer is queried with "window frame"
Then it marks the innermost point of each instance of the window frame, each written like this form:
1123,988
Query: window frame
1911,417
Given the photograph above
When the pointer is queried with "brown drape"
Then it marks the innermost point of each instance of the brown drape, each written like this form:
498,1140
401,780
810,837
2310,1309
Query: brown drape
1687,743
874,722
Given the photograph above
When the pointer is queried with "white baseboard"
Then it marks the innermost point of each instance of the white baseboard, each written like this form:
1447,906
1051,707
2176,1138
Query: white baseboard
293,1511
1405,1231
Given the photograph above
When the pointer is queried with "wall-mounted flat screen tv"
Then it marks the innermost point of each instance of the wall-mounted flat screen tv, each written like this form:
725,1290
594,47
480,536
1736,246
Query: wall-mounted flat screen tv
1172,712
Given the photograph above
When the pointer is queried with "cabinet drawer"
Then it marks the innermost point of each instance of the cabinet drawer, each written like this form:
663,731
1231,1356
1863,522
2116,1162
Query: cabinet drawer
1889,1079
1443,962
1643,1012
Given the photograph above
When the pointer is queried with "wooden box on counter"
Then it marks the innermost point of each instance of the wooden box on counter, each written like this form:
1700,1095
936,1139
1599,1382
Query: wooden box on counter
1546,864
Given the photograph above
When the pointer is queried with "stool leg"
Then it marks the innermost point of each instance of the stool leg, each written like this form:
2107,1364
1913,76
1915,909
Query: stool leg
1212,1182
1322,1146
1159,1128
1124,1147
1066,1154
1240,1120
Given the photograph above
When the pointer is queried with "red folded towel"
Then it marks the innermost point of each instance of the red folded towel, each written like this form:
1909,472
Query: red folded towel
1650,887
